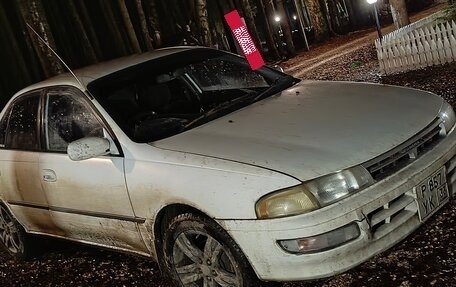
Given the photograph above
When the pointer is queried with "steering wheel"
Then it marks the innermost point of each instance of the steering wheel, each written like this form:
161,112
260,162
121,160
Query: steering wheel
142,116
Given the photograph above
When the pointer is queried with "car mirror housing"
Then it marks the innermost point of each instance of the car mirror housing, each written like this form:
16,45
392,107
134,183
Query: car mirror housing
88,147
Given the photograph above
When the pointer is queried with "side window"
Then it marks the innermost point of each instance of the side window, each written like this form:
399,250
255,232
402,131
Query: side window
67,119
3,123
21,132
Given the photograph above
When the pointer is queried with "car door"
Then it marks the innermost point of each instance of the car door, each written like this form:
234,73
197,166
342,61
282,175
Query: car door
19,159
88,199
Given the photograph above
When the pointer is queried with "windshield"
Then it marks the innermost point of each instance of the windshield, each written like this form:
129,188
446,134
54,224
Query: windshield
165,96
223,74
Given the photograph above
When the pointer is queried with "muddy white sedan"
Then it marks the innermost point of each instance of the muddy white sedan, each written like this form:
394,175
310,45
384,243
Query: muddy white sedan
224,175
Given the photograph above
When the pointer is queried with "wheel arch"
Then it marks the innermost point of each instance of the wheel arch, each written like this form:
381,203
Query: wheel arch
5,205
167,213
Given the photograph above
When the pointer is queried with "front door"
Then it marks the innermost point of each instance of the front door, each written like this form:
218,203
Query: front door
87,199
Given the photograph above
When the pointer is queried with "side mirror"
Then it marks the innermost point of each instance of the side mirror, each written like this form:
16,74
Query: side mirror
88,147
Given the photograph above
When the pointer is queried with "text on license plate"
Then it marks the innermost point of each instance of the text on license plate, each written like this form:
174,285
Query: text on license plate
431,193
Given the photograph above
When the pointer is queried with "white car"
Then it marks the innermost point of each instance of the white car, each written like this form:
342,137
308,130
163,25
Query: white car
224,175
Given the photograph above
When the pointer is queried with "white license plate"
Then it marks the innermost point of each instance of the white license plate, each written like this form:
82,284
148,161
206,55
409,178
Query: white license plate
432,193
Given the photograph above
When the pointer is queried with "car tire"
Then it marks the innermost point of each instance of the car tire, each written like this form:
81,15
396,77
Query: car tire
12,235
198,252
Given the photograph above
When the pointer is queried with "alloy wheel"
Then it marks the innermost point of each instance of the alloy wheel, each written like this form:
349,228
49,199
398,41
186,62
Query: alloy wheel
200,260
9,233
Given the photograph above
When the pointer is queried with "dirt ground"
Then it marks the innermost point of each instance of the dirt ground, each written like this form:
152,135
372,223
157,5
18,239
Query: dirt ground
426,258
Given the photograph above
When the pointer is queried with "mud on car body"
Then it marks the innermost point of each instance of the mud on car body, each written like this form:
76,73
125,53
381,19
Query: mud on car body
224,175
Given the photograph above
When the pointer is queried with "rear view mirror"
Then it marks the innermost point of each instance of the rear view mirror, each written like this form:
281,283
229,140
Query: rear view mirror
88,147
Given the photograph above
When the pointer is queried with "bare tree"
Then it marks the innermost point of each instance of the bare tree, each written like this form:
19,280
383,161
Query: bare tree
269,34
250,21
144,29
269,7
19,71
317,17
399,12
154,22
33,14
203,22
89,51
89,27
118,44
286,28
129,26
31,58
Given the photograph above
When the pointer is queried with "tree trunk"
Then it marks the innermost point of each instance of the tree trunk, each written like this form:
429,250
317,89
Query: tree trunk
286,28
89,51
168,26
318,19
238,6
34,66
327,12
19,71
231,5
119,47
203,22
33,13
88,24
250,21
269,6
269,34
129,26
144,29
154,23
354,23
399,12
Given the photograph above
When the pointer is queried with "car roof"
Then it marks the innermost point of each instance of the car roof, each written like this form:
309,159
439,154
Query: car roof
96,71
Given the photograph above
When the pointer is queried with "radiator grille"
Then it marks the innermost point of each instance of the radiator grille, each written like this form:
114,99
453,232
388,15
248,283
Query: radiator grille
396,159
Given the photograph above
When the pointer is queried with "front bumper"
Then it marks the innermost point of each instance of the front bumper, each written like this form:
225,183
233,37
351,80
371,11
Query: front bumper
391,202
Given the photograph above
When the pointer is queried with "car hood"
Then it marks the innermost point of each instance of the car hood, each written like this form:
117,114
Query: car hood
313,128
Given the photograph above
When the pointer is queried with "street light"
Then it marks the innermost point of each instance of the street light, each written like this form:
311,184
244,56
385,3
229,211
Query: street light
379,29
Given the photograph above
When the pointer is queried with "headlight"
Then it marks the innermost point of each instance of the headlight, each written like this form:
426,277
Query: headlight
447,116
331,188
286,202
313,194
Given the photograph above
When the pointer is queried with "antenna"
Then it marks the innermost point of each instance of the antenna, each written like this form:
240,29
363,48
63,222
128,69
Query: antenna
55,53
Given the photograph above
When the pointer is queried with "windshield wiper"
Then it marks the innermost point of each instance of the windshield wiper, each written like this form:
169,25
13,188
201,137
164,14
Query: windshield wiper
222,106
279,85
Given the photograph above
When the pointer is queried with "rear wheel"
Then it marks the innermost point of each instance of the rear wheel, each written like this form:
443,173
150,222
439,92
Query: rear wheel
198,252
12,235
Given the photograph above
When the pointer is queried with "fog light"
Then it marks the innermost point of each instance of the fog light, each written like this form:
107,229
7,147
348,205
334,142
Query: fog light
321,242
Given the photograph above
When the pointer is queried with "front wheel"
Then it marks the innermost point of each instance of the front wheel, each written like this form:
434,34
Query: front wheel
12,235
198,252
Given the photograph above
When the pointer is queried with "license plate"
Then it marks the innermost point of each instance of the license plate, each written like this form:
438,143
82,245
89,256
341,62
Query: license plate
432,193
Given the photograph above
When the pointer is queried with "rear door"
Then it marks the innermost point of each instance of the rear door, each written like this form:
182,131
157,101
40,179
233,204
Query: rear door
88,199
19,159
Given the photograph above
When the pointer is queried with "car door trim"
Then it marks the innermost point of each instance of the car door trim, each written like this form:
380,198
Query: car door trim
79,212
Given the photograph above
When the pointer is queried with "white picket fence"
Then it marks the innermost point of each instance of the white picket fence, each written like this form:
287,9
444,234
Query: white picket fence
427,21
425,44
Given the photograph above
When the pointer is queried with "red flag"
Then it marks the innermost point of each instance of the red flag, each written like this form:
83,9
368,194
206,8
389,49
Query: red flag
242,36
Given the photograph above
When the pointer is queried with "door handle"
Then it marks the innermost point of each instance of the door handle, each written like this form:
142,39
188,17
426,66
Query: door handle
49,175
